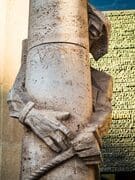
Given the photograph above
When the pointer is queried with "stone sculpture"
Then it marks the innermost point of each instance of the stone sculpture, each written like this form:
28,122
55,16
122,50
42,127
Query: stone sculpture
64,105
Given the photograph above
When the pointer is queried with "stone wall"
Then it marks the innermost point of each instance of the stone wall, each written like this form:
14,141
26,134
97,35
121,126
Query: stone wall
119,145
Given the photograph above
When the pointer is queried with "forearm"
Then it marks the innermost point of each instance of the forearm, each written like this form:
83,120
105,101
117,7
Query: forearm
18,96
17,99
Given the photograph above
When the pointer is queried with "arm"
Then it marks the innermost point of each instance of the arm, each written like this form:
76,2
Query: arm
88,143
18,96
102,96
44,123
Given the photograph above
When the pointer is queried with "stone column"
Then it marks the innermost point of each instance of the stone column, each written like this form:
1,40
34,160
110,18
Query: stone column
58,78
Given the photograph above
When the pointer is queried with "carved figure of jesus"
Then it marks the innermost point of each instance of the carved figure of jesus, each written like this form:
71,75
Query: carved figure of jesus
59,99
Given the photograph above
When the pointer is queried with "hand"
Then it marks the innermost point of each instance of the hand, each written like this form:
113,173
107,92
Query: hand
87,147
47,126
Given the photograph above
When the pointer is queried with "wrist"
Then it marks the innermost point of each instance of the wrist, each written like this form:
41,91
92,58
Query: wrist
27,108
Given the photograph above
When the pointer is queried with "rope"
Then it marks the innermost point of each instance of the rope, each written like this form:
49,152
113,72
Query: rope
52,164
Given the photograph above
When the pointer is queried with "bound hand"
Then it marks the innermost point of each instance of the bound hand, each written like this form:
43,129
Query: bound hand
87,147
47,126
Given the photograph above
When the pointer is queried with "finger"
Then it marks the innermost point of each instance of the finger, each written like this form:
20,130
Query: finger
88,153
84,153
50,142
55,124
92,162
39,132
60,140
62,115
35,129
66,131
52,145
81,144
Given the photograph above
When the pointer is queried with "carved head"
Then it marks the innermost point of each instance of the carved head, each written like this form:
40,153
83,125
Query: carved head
99,32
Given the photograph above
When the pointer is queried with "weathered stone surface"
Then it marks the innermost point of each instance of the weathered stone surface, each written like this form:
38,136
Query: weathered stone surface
58,69
58,83
119,145
56,79
58,21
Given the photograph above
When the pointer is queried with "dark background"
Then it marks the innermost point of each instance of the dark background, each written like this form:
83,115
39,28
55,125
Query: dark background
107,5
